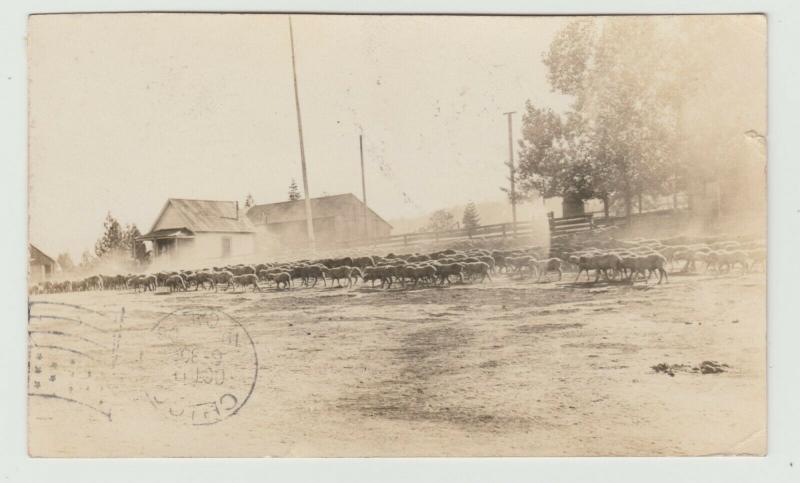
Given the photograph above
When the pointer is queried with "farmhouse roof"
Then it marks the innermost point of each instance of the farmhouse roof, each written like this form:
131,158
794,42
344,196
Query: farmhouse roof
321,207
39,256
207,216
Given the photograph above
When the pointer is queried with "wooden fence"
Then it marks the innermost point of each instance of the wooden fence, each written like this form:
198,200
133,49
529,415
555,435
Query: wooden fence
573,224
499,231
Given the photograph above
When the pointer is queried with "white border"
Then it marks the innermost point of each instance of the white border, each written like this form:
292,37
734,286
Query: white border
784,262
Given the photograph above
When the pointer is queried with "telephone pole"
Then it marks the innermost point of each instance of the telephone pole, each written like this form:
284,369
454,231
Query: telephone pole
363,183
511,168
309,219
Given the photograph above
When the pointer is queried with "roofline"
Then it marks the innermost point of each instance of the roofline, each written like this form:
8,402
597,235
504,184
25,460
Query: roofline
161,213
302,199
180,212
350,194
149,236
198,199
43,253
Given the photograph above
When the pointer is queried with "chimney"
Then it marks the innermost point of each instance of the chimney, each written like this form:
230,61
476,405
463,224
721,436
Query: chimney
237,209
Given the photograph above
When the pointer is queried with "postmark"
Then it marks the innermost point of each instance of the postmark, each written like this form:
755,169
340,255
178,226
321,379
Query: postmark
201,366
72,351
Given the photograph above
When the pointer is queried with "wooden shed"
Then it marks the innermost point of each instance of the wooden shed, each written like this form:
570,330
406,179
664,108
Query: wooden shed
40,266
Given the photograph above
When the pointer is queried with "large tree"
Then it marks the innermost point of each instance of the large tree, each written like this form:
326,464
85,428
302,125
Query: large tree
136,248
65,262
470,220
113,238
440,220
618,136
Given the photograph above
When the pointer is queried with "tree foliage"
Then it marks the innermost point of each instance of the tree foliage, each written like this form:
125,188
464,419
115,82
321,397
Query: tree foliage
470,220
112,238
294,191
88,260
65,262
617,138
249,201
119,242
440,220
133,246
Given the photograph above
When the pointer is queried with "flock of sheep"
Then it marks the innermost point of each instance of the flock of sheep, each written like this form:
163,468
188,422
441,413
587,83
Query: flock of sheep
611,259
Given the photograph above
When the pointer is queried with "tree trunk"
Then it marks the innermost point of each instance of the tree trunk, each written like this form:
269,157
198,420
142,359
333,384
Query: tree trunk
605,206
640,203
628,206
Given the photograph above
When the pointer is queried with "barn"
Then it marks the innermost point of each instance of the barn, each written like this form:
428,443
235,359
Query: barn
40,265
336,218
201,230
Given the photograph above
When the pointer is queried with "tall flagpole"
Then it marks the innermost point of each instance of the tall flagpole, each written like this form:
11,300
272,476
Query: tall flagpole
511,169
363,184
309,219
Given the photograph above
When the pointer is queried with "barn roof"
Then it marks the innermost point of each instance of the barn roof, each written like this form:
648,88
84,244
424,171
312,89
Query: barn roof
207,216
321,207
39,256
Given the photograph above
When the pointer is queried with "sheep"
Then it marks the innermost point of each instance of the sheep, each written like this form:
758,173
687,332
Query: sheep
601,264
650,263
475,269
416,273
489,261
355,274
373,274
518,263
499,260
627,265
337,273
145,283
364,262
246,280
688,255
729,259
175,282
203,278
549,265
223,276
445,271
266,274
161,277
131,281
316,271
94,282
283,278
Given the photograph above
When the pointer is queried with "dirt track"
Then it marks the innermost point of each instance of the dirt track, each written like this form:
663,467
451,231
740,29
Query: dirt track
510,367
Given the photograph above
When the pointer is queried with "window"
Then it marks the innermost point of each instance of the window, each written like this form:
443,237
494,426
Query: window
226,246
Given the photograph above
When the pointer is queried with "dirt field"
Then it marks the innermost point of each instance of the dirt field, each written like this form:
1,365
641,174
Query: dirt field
509,367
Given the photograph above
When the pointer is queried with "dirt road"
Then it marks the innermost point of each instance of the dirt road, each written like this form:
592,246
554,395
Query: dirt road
509,367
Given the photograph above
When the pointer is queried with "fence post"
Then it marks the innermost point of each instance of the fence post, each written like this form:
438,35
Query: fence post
504,231
405,240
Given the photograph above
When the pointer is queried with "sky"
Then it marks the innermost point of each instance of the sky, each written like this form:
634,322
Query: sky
128,110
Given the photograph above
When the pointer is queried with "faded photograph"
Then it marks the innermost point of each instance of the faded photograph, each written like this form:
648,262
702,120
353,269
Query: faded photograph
396,235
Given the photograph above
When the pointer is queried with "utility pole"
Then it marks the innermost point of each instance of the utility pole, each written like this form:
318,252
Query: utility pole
363,183
309,219
511,168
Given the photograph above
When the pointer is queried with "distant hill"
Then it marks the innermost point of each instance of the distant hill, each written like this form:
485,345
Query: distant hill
490,212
